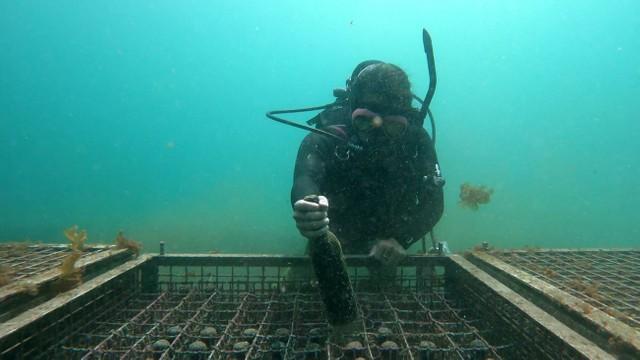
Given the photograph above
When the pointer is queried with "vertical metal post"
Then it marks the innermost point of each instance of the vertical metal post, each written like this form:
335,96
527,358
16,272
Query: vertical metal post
149,277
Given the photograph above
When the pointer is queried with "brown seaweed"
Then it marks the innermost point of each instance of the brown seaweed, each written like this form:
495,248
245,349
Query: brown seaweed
70,276
614,313
593,290
586,308
550,273
473,196
124,243
76,237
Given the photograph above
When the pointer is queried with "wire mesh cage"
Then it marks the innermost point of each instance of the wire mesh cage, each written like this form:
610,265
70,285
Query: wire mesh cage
30,273
601,287
268,307
24,260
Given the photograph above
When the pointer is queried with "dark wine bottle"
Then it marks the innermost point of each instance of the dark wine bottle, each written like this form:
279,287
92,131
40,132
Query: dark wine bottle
333,279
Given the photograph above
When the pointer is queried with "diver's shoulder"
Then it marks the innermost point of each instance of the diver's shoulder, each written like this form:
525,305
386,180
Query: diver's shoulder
320,143
334,135
420,134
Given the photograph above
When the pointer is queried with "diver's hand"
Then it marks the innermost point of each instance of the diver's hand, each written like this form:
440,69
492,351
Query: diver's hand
311,217
388,251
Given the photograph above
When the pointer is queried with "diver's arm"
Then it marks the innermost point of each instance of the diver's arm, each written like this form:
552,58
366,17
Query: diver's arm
311,217
309,172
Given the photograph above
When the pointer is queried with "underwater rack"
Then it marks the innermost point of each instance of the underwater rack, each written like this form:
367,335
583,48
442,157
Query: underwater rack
222,306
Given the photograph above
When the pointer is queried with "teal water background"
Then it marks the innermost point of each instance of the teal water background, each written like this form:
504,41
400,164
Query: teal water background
148,116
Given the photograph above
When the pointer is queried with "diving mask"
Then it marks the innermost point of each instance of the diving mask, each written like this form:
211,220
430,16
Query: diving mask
365,120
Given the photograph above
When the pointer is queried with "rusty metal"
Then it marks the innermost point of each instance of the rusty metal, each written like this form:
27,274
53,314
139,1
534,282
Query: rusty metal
596,292
272,304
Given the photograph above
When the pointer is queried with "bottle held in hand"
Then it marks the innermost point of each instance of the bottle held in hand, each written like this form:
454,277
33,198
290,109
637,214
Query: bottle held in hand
331,271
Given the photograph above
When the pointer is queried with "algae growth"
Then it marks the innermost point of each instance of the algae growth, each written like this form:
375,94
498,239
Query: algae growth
70,276
473,196
124,243
76,237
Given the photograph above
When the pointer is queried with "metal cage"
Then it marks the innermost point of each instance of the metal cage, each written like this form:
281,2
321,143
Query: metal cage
268,307
594,291
30,272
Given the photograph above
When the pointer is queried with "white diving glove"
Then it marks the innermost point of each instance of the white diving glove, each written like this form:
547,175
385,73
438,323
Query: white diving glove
311,217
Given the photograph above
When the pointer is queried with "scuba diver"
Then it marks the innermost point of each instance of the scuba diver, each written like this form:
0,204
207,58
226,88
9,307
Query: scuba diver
370,165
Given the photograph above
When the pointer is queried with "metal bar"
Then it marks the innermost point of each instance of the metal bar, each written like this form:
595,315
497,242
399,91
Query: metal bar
367,343
291,340
276,260
236,320
140,342
102,345
261,330
571,250
91,309
398,324
99,313
190,322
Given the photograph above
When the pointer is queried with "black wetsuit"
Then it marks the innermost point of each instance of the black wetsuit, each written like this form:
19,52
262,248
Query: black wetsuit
374,194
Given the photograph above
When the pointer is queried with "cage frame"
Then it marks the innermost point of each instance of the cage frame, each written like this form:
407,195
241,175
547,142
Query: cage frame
145,269
33,288
605,330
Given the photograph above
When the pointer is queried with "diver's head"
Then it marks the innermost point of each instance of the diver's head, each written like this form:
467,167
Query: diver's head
380,98
380,87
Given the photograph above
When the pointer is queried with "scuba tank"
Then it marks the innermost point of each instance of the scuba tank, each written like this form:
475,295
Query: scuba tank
330,269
